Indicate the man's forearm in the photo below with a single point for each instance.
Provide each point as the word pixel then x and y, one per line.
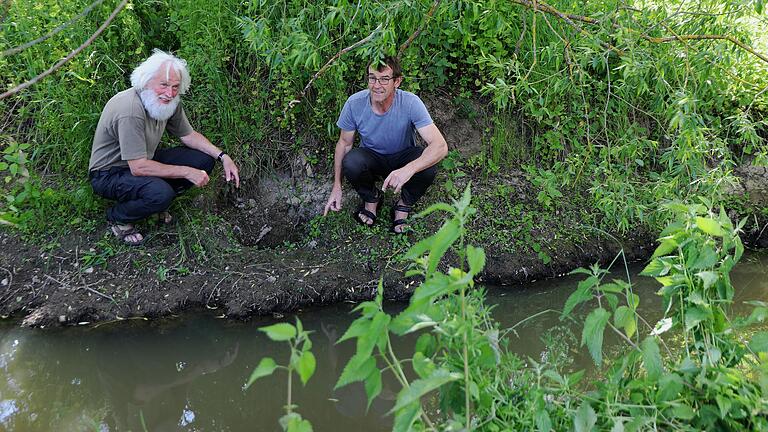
pixel 198 141
pixel 338 158
pixel 432 154
pixel 150 168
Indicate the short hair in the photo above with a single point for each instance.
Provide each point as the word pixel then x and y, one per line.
pixel 391 61
pixel 149 68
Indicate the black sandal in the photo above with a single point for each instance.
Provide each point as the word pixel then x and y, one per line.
pixel 397 222
pixel 361 210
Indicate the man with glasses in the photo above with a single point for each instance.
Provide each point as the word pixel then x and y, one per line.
pixel 385 118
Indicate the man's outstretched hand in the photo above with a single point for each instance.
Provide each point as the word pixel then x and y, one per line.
pixel 334 201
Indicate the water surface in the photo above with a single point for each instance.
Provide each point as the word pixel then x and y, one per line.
pixel 187 373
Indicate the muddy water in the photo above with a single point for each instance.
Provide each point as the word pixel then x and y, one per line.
pixel 187 373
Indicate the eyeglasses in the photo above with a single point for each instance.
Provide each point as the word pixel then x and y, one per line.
pixel 383 80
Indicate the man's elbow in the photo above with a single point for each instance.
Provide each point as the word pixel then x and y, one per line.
pixel 443 149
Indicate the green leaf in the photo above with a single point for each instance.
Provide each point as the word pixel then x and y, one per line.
pixel 422 365
pixel 358 328
pixel 373 386
pixel 280 332
pixel 592 335
pixel 669 388
pixel 306 366
pixel 441 241
pixel 376 332
pixel 759 342
pixel 583 293
pixel 707 257
pixel 709 226
pixel 652 358
pixel 405 417
pixel 624 317
pixel 683 412
pixel 695 315
pixel 543 422
pixel 585 418
pixel 655 268
pixel 265 368
pixel 666 247
pixel 357 369
pixel 294 423
pixel 708 278
pixel 420 387
pixel 476 259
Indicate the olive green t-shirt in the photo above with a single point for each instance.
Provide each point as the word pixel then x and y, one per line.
pixel 126 132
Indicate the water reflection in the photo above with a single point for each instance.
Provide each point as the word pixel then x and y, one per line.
pixel 187 374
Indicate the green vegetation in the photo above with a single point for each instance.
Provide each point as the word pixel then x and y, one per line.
pixel 693 370
pixel 632 103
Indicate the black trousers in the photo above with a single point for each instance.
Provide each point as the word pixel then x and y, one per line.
pixel 363 167
pixel 141 196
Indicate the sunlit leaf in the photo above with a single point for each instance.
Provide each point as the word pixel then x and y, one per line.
pixel 280 332
pixel 265 368
pixel 306 366
pixel 357 369
pixel 421 387
pixel 709 226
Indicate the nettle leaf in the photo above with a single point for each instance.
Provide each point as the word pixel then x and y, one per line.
pixel 583 293
pixel 476 259
pixel 420 387
pixel 585 418
pixel 358 328
pixel 265 368
pixel 442 240
pixel 592 335
pixel 667 246
pixel 652 358
pixel 422 365
pixel 624 317
pixel 656 267
pixel 708 278
pixel 759 342
pixel 376 331
pixel 695 315
pixel 280 332
pixel 709 226
pixel 373 386
pixel 357 369
pixel 405 417
pixel 306 366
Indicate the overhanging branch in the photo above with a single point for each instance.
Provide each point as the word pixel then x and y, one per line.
pixel 69 57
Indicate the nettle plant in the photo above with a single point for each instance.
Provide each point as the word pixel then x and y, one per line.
pixel 709 379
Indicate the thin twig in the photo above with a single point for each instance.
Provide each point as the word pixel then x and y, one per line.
pixel 328 64
pixel 53 32
pixel 69 57
pixel 416 34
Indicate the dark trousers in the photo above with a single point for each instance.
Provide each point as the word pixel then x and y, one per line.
pixel 362 167
pixel 141 196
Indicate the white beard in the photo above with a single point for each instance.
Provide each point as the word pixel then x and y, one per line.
pixel 156 109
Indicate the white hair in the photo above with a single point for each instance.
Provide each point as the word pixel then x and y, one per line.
pixel 151 66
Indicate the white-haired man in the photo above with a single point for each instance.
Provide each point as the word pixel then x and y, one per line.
pixel 126 165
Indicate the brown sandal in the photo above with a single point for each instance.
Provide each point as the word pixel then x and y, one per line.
pixel 127 233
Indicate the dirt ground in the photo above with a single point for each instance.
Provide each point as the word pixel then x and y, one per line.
pixel 267 252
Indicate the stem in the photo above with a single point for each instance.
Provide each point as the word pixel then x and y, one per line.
pixel 394 364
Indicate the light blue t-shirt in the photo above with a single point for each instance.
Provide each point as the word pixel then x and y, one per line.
pixel 390 132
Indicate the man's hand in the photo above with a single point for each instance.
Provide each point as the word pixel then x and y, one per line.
pixel 230 170
pixel 198 177
pixel 334 201
pixel 396 179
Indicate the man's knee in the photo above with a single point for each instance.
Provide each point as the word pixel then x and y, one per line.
pixel 428 175
pixel 158 195
pixel 353 164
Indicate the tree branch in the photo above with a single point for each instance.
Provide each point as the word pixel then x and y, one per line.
pixel 416 34
pixel 53 32
pixel 69 57
pixel 328 64
pixel 571 20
